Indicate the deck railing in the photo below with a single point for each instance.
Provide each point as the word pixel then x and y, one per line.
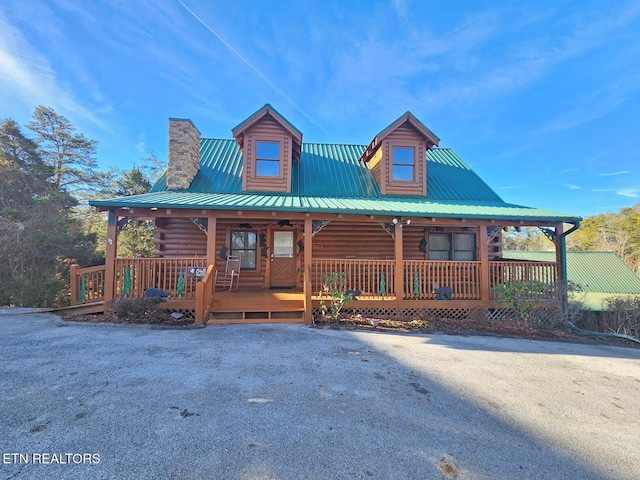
pixel 373 278
pixel 423 277
pixel 134 275
pixel 205 292
pixel 502 272
pixel 87 284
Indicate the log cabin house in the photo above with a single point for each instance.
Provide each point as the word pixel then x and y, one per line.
pixel 403 219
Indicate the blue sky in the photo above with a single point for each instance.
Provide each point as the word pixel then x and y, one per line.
pixel 541 98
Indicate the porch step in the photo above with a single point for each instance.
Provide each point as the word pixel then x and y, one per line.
pixel 256 306
pixel 287 316
pixel 261 306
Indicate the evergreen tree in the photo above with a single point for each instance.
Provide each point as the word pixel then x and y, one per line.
pixel 39 238
pixel 71 154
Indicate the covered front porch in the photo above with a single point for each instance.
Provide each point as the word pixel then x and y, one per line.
pixel 387 263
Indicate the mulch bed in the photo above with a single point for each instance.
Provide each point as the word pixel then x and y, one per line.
pixel 441 325
pixel 470 327
pixel 109 317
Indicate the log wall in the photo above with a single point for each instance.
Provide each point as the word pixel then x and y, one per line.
pixel 179 237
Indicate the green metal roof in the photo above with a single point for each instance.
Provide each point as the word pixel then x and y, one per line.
pixel 330 178
pixel 599 274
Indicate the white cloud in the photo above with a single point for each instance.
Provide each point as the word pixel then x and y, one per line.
pixel 629 192
pixel 572 186
pixel 28 77
pixel 511 187
pixel 622 172
pixel 141 145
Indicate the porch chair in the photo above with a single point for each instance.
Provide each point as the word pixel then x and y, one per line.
pixel 231 271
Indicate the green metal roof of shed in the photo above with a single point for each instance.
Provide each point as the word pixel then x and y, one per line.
pixel 330 178
pixel 601 275
pixel 594 271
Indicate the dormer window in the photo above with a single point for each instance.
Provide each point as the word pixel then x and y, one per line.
pixel 397 157
pixel 403 164
pixel 267 159
pixel 270 145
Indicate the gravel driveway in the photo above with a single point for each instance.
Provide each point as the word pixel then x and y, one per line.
pixel 289 402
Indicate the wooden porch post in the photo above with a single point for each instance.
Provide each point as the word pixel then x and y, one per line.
pixel 74 283
pixel 110 259
pixel 399 259
pixel 308 259
pixel 483 252
pixel 212 228
pixel 561 261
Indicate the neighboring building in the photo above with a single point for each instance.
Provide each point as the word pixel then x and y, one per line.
pixel 399 217
pixel 600 275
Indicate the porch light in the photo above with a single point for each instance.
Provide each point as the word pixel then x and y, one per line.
pixel 406 222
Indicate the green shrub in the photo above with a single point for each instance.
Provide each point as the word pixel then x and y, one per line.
pixel 334 287
pixel 524 298
pixel 139 310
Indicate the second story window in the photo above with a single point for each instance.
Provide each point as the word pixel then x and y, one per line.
pixel 403 164
pixel 267 159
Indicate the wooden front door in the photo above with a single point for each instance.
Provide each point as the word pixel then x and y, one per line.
pixel 283 260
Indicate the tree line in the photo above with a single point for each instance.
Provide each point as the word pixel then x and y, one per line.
pixel 618 232
pixel 47 174
pixel 50 171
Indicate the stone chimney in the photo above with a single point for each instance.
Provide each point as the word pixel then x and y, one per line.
pixel 184 153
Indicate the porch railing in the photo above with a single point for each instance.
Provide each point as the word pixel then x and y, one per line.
pixel 133 276
pixel 87 284
pixel 205 292
pixel 423 277
pixel 373 278
pixel 501 272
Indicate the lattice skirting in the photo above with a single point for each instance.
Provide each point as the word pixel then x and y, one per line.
pixel 544 316
pixel 186 312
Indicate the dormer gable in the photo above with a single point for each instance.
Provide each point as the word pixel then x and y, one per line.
pixel 397 156
pixel 269 144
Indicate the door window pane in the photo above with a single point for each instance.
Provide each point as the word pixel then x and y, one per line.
pixel 283 244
